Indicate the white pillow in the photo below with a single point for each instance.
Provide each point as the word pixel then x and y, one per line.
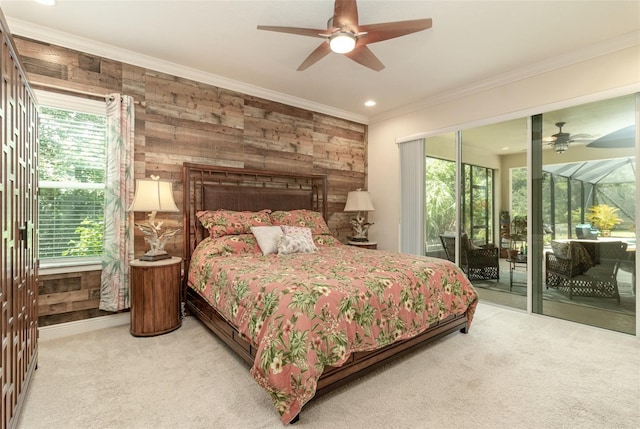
pixel 267 237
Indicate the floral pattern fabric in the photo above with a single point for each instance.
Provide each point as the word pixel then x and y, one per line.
pixel 228 222
pixel 118 195
pixel 240 244
pixel 308 311
pixel 302 218
pixel 289 244
pixel 297 239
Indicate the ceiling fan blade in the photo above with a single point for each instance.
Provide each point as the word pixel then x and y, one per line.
pixel 624 137
pixel 319 53
pixel 294 30
pixel 582 136
pixel 345 12
pixel 390 30
pixel 364 56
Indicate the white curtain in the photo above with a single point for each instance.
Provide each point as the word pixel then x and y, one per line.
pixel 412 173
pixel 118 194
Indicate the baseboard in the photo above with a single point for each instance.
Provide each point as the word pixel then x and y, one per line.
pixel 82 326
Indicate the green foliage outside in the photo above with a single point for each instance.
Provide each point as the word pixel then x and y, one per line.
pixel 568 202
pixel 519 202
pixel 71 172
pixel 440 198
pixel 90 234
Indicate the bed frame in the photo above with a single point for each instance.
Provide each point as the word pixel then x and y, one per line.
pixel 208 187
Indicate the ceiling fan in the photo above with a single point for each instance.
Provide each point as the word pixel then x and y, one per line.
pixel 560 140
pixel 344 35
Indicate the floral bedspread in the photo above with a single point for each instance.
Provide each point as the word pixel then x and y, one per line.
pixel 307 311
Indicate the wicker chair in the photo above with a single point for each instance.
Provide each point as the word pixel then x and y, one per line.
pixel 478 263
pixel 572 275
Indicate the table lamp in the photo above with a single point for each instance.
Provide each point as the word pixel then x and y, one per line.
pixel 359 201
pixel 154 195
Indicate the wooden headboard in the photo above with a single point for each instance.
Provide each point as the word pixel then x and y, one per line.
pixel 208 187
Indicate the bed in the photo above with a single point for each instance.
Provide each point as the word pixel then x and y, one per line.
pixel 305 311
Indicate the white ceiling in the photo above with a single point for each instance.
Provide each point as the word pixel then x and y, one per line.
pixel 471 44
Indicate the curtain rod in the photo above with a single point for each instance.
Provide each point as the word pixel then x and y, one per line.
pixel 79 92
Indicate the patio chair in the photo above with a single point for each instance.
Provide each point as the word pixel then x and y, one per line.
pixel 478 263
pixel 573 274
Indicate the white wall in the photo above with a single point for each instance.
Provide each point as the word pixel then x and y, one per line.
pixel 603 77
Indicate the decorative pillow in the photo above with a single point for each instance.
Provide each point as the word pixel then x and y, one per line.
pixel 303 218
pixel 580 258
pixel 302 234
pixel 228 222
pixel 561 249
pixel 268 237
pixel 325 240
pixel 235 244
pixel 289 244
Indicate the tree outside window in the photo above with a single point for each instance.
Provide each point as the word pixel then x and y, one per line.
pixel 71 171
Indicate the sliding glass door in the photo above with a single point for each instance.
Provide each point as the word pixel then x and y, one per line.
pixel 588 202
pixel 555 196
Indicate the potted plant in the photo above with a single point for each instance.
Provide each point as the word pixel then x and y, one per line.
pixel 604 218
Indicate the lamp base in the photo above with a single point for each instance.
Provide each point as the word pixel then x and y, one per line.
pixel 153 258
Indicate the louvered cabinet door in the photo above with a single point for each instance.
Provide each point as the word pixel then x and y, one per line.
pixel 18 257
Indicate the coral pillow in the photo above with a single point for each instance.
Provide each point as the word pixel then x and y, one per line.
pixel 235 245
pixel 325 240
pixel 302 218
pixel 228 222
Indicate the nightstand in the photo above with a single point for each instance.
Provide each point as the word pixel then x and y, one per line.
pixel 373 245
pixel 155 297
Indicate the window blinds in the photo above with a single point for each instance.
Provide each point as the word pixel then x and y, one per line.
pixel 412 173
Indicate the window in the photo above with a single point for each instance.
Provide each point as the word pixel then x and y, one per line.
pixel 440 201
pixel 71 168
pixel 477 204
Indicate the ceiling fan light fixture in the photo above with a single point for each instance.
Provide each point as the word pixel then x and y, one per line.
pixel 342 42
pixel 561 147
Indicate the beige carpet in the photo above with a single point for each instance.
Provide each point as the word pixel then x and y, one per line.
pixel 512 370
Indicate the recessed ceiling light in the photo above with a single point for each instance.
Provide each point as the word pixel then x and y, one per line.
pixel 369 103
pixel 47 2
pixel 505 148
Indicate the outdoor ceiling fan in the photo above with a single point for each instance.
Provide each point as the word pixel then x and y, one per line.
pixel 560 140
pixel 344 35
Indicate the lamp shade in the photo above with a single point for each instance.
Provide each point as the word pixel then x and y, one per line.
pixel 153 195
pixel 358 201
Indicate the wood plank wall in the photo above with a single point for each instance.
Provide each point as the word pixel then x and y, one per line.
pixel 182 120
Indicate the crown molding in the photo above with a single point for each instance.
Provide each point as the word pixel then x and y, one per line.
pixel 48 35
pixel 45 34
pixel 609 46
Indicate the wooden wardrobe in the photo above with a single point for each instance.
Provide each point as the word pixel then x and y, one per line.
pixel 18 251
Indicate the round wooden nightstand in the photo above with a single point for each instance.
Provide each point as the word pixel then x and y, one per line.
pixel 373 245
pixel 155 297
